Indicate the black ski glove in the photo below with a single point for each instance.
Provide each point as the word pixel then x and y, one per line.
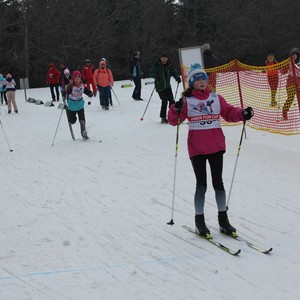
pixel 178 80
pixel 178 105
pixel 248 113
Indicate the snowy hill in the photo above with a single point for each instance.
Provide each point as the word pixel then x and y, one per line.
pixel 87 220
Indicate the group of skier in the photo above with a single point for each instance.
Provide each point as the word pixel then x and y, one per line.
pixel 74 86
pixel 199 103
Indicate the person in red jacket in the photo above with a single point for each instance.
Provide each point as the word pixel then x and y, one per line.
pixel 273 78
pixel 206 142
pixel 88 75
pixel 52 79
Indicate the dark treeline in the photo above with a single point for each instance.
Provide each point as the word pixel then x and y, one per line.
pixel 37 32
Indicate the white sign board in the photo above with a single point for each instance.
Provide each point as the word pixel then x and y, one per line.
pixel 188 56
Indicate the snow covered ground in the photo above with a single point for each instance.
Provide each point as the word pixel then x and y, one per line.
pixel 87 220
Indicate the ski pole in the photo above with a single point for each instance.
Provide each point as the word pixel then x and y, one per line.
pixel 6 137
pixel 115 95
pixel 62 110
pixel 142 118
pixel 175 169
pixel 236 161
pixel 176 91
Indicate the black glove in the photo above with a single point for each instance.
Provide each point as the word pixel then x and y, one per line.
pixel 131 77
pixel 178 79
pixel 90 94
pixel 248 113
pixel 178 105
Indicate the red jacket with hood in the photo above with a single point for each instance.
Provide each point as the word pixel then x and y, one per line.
pixel 53 75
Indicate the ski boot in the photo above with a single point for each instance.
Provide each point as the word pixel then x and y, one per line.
pixel 224 225
pixel 164 120
pixel 83 130
pixel 201 228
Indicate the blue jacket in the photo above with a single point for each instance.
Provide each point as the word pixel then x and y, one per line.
pixel 2 79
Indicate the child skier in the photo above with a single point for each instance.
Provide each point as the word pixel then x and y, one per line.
pixel 75 89
pixel 64 82
pixel 203 108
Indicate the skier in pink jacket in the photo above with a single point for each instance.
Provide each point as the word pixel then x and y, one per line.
pixel 206 141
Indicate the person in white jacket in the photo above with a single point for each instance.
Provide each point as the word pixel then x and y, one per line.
pixel 10 86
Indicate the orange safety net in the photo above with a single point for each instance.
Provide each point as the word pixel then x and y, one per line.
pixel 269 90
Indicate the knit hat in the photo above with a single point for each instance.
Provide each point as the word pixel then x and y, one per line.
pixel 87 61
pixel 76 74
pixel 102 62
pixel 66 71
pixel 164 55
pixel 103 59
pixel 196 72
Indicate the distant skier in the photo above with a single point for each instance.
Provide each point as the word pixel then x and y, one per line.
pixel 104 80
pixel 206 141
pixel 65 81
pixel 136 75
pixel 273 78
pixel 210 61
pixel 88 75
pixel 53 78
pixel 2 90
pixel 162 71
pixel 10 85
pixel 290 83
pixel 75 90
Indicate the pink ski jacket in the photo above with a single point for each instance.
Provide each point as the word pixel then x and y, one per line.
pixel 205 140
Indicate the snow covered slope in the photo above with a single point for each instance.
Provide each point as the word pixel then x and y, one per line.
pixel 87 220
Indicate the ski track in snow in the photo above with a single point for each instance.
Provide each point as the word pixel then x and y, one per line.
pixel 88 220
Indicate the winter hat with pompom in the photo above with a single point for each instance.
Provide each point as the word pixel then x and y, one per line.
pixel 66 71
pixel 76 74
pixel 196 72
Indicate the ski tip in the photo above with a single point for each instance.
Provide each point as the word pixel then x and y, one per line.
pixel 238 252
pixel 207 236
pixel 234 234
pixel 171 222
pixel 268 251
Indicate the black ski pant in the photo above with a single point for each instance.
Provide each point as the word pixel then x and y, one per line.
pixel 165 96
pixel 72 115
pixel 138 87
pixel 3 97
pixel 215 161
pixel 52 87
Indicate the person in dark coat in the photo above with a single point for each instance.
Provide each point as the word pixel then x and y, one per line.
pixel 210 61
pixel 136 75
pixel 162 71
